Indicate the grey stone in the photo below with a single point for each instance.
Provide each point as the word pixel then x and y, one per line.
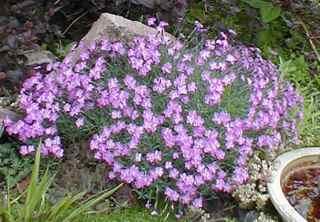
pixel 115 28
pixel 15 75
pixel 3 20
pixel 13 22
pixel 5 113
pixel 251 216
pixel 37 57
pixel 12 41
pixel 4 101
pixel 4 48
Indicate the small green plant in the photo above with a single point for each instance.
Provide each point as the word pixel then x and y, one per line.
pixel 230 220
pixel 297 71
pixel 128 215
pixel 268 11
pixel 13 167
pixel 59 49
pixel 32 205
pixel 1 130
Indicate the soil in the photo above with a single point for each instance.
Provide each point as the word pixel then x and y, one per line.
pixel 41 24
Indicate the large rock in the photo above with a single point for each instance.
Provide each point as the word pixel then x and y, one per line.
pixel 115 28
pixel 5 113
pixel 38 57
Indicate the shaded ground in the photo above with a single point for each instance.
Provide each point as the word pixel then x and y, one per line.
pixel 40 24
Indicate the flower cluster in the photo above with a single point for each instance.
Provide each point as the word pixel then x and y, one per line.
pixel 168 111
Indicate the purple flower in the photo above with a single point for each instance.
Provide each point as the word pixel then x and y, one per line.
pixel 161 84
pixel 167 68
pixel 152 21
pixel 154 157
pixel 80 122
pixel 240 175
pixel 25 150
pixel 174 173
pixel 199 27
pixel 221 118
pixel 164 111
pixel 197 203
pixel 171 194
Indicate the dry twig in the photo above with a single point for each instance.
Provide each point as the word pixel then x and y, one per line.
pixel 313 46
pixel 73 22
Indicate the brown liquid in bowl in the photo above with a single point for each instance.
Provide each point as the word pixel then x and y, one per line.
pixel 302 189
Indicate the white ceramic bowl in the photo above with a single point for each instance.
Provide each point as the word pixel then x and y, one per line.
pixel 295 159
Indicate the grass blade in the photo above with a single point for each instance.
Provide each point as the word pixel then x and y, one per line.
pixel 31 191
pixel 58 211
pixel 89 203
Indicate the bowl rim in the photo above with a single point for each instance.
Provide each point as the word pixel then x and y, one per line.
pixel 277 196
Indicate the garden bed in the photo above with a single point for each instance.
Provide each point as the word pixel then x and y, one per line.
pixel 288 36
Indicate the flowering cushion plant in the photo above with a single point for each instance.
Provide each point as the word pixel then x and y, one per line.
pixel 184 119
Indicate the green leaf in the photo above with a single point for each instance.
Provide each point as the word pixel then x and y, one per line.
pixel 196 12
pixel 60 209
pixel 36 190
pixel 5 209
pixel 32 193
pixel 258 4
pixel 1 129
pixel 270 13
pixel 90 202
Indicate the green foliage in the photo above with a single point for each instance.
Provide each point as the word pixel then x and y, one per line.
pixel 275 38
pixel 59 49
pixel 268 11
pixel 1 130
pixel 127 215
pixel 256 22
pixel 95 120
pixel 32 205
pixel 297 71
pixel 13 167
pixel 230 220
pixel 236 99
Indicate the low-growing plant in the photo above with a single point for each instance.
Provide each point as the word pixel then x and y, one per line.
pixel 171 116
pixel 297 71
pixel 13 167
pixel 35 206
pixel 268 11
pixel 128 215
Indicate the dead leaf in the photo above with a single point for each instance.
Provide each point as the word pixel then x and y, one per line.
pixel 23 184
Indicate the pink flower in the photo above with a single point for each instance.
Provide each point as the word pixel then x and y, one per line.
pixel 163 114
pixel 171 194
pixel 197 203
pixel 154 157
pixel 25 150
pixel 152 21
pixel 80 122
pixel 174 173
pixel 167 68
